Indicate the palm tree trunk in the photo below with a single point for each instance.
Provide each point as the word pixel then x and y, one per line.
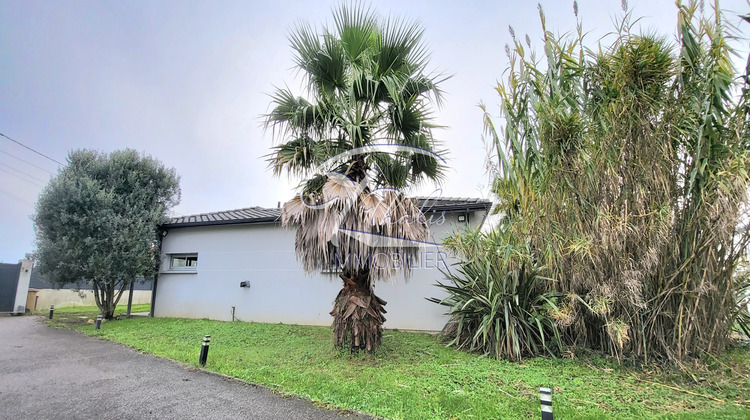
pixel 357 314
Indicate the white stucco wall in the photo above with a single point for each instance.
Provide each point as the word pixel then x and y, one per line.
pixel 23 285
pixel 280 291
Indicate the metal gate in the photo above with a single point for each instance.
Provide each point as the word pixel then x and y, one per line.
pixel 9 274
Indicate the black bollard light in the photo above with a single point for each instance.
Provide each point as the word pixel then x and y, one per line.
pixel 545 397
pixel 99 322
pixel 204 350
pixel 51 311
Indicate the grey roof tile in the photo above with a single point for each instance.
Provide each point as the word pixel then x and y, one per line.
pixel 271 215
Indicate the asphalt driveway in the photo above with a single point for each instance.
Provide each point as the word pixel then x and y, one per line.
pixel 48 373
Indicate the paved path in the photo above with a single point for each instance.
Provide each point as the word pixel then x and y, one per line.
pixel 48 373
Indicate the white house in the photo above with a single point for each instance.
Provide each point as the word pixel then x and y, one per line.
pixel 241 264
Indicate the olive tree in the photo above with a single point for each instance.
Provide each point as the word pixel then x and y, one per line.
pixel 98 220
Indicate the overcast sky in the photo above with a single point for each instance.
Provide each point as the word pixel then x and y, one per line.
pixel 187 82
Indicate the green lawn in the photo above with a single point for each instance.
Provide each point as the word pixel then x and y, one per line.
pixel 414 377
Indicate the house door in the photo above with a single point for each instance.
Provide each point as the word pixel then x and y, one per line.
pixel 8 284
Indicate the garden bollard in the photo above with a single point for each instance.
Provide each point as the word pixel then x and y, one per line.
pixel 99 321
pixel 545 397
pixel 51 310
pixel 204 350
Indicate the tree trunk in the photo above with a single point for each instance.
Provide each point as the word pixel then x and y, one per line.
pixel 109 307
pixel 98 296
pixel 106 299
pixel 357 314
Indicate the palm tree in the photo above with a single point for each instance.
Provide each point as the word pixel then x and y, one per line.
pixel 367 90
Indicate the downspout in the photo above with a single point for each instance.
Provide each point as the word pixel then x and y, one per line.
pixel 162 234
pixel 130 297
pixel 486 214
pixel 153 293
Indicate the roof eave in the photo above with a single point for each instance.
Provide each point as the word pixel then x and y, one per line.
pixel 255 221
pixel 486 205
pixel 458 207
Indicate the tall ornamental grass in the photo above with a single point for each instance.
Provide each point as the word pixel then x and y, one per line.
pixel 623 176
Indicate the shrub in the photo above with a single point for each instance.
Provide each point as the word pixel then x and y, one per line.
pixel 498 303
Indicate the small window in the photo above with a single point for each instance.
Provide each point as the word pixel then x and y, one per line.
pixel 183 262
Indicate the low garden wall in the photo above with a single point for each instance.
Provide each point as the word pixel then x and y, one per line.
pixel 61 298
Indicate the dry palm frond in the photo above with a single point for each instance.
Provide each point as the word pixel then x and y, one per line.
pixel 380 233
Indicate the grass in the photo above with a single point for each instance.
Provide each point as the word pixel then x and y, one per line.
pixel 413 376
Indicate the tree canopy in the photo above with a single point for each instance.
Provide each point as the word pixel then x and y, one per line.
pixel 367 83
pixel 98 220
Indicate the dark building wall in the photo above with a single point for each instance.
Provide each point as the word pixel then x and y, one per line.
pixel 8 285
